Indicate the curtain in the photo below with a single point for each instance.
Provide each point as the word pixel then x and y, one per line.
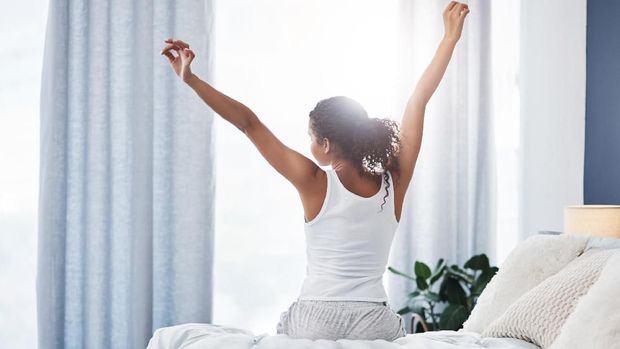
pixel 449 209
pixel 126 175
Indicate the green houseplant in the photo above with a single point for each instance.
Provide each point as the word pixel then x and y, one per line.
pixel 445 296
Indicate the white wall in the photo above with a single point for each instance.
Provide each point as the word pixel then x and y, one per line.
pixel 552 87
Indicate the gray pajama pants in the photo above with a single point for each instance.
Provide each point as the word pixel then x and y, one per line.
pixel 313 319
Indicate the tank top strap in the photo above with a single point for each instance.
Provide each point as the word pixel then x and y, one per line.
pixel 337 186
pixel 334 184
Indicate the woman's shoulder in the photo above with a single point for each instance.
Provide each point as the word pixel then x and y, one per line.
pixel 319 180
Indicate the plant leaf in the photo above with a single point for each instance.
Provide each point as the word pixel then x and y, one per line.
pixel 414 294
pixel 405 310
pixel 421 283
pixel 452 291
pixel 437 275
pixel 432 297
pixel 453 317
pixel 422 270
pixel 440 264
pixel 477 262
pixel 397 272
pixel 482 280
pixel 460 274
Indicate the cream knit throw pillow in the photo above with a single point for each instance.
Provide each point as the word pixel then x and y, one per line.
pixel 529 264
pixel 595 322
pixel 539 315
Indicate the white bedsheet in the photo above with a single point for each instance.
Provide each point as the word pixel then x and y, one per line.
pixel 207 336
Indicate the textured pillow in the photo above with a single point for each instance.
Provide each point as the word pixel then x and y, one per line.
pixel 538 315
pixel 531 262
pixel 595 322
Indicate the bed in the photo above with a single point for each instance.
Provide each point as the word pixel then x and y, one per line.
pixel 202 336
pixel 517 309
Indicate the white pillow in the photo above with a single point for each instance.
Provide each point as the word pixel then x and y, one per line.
pixel 603 242
pixel 595 322
pixel 531 262
pixel 539 315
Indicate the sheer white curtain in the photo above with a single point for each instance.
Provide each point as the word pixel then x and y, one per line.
pixel 280 57
pixel 126 178
pixel 449 209
pixel 373 51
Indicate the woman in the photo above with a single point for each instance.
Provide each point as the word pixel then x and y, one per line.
pixel 351 210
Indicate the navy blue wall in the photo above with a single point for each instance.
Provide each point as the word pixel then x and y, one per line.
pixel 602 143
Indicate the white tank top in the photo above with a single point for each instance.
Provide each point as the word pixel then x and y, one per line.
pixel 348 243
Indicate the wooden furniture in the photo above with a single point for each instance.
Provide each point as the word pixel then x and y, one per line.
pixel 594 220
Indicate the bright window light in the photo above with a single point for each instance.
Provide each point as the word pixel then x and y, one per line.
pixel 280 58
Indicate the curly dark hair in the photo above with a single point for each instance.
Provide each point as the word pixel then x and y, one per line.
pixel 371 144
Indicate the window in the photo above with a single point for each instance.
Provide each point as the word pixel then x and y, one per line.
pixel 506 110
pixel 21 57
pixel 280 58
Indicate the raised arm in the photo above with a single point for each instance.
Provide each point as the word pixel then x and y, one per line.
pixel 295 167
pixel 413 118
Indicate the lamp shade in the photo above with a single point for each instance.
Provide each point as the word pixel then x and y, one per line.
pixel 596 220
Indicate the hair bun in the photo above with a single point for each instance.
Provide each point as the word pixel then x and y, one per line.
pixel 370 143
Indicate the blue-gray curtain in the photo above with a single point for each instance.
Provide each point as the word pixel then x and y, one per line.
pixel 126 177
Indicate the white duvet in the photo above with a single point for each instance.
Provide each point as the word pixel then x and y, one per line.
pixel 206 336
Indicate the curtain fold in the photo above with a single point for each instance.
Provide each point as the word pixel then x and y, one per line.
pixel 126 175
pixel 449 209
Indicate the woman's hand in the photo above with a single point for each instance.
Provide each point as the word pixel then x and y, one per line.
pixel 453 18
pixel 183 59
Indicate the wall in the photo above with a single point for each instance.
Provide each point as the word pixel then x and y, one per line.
pixel 552 88
pixel 602 144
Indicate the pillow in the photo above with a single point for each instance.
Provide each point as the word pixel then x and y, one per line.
pixel 597 314
pixel 602 242
pixel 538 315
pixel 531 262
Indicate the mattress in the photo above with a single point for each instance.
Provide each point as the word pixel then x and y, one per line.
pixel 203 336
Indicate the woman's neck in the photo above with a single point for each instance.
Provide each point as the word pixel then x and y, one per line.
pixel 348 171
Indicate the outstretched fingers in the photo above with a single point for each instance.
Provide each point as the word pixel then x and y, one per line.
pixel 169 47
pixel 451 5
pixel 460 8
pixel 459 11
pixel 464 13
pixel 455 8
pixel 180 47
pixel 187 55
pixel 169 55
pixel 180 43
